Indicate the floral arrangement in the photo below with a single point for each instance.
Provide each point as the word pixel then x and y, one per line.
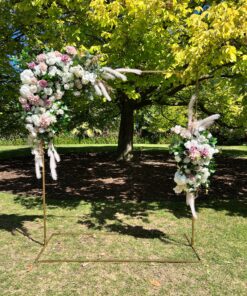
pixel 193 149
pixel 51 75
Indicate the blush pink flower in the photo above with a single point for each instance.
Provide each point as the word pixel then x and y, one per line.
pixel 31 65
pixel 71 50
pixel 45 121
pixel 22 101
pixel 41 58
pixel 48 102
pixel 43 83
pixel 65 58
pixel 194 153
pixel 34 100
pixel 205 152
pixel 57 53
pixel 43 67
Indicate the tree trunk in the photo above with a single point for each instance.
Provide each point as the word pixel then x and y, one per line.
pixel 126 130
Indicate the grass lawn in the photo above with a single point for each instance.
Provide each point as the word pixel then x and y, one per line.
pixel 139 230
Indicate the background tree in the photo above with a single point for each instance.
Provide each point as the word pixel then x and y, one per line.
pixel 186 40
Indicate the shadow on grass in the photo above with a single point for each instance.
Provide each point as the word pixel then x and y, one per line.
pixel 131 189
pixel 15 223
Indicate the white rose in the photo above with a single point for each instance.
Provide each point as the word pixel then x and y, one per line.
pixel 51 58
pixel 78 71
pixel 67 77
pixel 176 129
pixel 179 189
pixel 59 94
pixel 180 179
pixel 33 89
pixel 29 119
pixel 52 71
pixel 36 120
pixel 48 91
pixel 27 76
pixel 66 86
pixel 37 70
pixel 25 91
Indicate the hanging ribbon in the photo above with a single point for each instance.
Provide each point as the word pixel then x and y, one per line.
pixel 54 158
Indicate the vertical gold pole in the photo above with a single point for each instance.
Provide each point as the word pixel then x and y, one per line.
pixel 193 232
pixel 44 191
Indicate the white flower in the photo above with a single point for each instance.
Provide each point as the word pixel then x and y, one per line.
pixel 189 144
pixel 67 77
pixel 76 93
pixel 176 129
pixel 51 58
pixel 59 94
pixel 37 70
pixel 31 129
pixel 33 88
pixel 36 120
pixel 205 174
pixel 88 77
pixel 25 91
pixel 29 119
pixel 185 133
pixel 78 84
pixel 180 179
pixel 66 86
pixel 179 189
pixel 78 71
pixel 60 112
pixel 177 158
pixel 48 91
pixel 27 76
pixel 53 71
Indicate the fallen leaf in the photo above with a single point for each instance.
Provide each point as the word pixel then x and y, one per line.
pixel 155 283
pixel 29 267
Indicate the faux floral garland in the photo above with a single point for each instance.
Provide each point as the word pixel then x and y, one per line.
pixel 48 78
pixel 193 149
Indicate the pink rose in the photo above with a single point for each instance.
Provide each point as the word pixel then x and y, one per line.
pixel 204 152
pixel 22 101
pixel 65 58
pixel 31 65
pixel 57 53
pixel 71 50
pixel 48 102
pixel 43 67
pixel 43 83
pixel 34 100
pixel 45 121
pixel 41 58
pixel 194 153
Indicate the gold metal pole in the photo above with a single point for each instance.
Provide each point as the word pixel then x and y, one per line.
pixel 193 232
pixel 44 191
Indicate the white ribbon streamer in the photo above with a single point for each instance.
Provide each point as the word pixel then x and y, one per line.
pixel 54 156
pixel 190 201
pixel 38 161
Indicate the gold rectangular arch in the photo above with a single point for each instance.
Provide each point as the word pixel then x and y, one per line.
pixel 191 241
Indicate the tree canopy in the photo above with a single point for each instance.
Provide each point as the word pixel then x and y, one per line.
pixel 185 40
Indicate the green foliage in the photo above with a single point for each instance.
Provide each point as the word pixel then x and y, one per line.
pixel 180 38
